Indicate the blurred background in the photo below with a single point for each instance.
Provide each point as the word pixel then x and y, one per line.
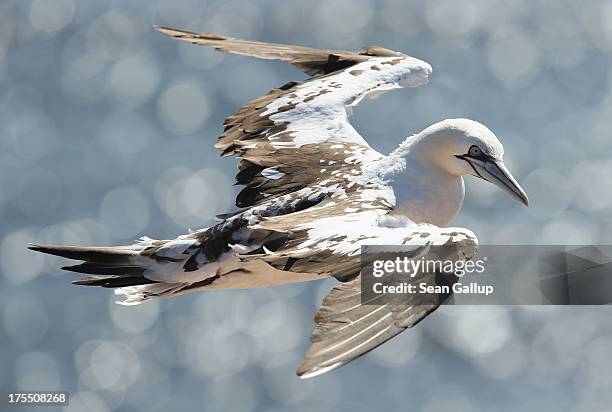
pixel 106 134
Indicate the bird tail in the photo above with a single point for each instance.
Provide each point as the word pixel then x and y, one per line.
pixel 121 268
pixel 111 267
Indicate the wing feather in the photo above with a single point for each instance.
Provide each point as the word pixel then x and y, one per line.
pixel 299 133
pixel 347 327
pixel 308 59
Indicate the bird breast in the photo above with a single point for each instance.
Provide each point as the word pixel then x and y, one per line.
pixel 426 199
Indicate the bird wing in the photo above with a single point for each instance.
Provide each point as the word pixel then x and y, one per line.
pixel 299 134
pixel 305 172
pixel 348 325
pixel 310 60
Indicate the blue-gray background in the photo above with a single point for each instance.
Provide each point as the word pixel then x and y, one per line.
pixel 106 134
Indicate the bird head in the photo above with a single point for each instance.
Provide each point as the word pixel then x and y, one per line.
pixel 465 147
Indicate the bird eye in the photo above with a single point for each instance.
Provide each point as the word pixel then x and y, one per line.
pixel 475 151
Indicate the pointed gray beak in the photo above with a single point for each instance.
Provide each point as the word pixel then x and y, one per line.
pixel 495 172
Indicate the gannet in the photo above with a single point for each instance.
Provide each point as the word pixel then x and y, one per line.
pixel 314 193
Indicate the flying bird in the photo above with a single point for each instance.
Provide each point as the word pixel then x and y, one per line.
pixel 314 193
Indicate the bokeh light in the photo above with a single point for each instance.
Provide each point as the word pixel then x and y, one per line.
pixel 107 134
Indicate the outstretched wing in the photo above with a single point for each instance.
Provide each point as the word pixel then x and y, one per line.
pixel 348 326
pixel 299 135
pixel 308 59
pixel 346 329
pixel 305 171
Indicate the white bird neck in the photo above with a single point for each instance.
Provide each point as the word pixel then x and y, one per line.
pixel 424 192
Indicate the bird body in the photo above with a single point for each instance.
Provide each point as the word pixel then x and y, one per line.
pixel 314 193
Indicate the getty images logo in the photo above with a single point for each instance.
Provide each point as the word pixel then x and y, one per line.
pixel 406 266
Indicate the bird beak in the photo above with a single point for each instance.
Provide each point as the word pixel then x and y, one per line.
pixel 496 172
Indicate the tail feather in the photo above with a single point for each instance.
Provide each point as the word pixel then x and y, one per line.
pixel 140 272
pixel 113 281
pixel 111 266
pixel 113 255
pixel 105 269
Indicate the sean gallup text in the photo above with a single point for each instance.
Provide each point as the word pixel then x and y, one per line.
pixel 425 288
